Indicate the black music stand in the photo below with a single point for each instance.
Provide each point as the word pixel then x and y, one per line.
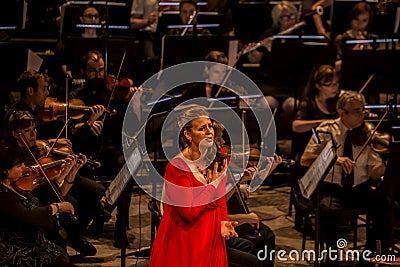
pixel 309 184
pixel 391 186
pixel 114 18
pixel 77 47
pixel 288 78
pixel 180 49
pixel 359 65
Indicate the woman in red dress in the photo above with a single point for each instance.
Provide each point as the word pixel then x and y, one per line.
pixel 195 223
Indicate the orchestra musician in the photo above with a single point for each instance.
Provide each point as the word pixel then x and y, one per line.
pixel 277 94
pixel 361 16
pixel 195 222
pixel 108 149
pixel 346 187
pixel 25 223
pixel 82 192
pixel 249 226
pixel 318 105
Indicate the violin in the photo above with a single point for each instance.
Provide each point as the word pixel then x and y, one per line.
pixel 32 177
pixel 361 135
pixel 124 89
pixel 45 149
pixel 53 109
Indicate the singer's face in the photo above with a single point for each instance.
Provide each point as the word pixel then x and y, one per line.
pixel 360 23
pixel 186 11
pixel 201 128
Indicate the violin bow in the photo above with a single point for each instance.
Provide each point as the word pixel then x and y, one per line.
pixel 58 136
pixel 115 82
pixel 371 135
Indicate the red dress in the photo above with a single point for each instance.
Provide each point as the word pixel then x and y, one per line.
pixel 190 236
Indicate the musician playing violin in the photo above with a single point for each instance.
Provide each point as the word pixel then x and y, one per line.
pixel 108 149
pixel 24 222
pixel 346 186
pixel 238 249
pixel 82 192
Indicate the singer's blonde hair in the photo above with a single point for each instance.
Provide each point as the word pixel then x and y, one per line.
pixel 279 8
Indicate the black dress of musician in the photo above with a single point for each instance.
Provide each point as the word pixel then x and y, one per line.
pixel 24 224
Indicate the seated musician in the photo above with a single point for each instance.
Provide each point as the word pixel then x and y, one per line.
pixel 82 192
pixel 346 187
pixel 24 223
pixel 109 148
pixel 249 226
pixel 361 16
pixel 214 76
pixel 278 93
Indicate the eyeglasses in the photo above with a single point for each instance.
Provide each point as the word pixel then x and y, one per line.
pixel 95 71
pixel 329 84
pixel 91 16
pixel 288 17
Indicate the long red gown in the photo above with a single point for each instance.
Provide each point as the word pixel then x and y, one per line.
pixel 190 236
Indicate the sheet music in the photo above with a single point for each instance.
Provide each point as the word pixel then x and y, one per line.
pixel 121 180
pixel 318 170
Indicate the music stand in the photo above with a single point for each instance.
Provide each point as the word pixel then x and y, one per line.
pixel 312 179
pixel 359 65
pixel 290 76
pixel 180 49
pixel 114 18
pixel 12 15
pixel 77 47
pixel 391 185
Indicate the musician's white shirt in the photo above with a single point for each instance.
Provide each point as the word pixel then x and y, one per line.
pixel 338 130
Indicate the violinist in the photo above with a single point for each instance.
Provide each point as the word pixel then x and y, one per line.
pixel 346 186
pixel 82 192
pixel 24 222
pixel 34 88
pixel 108 149
pixel 248 222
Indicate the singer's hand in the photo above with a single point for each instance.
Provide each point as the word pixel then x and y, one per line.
pixel 228 229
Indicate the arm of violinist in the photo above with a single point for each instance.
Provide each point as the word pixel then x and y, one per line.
pixel 302 126
pixel 61 142
pixel 275 162
pixel 307 159
pixel 250 218
pixel 95 112
pixel 16 211
pixel 65 173
pixel 70 177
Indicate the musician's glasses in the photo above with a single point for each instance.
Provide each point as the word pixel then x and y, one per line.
pixel 288 17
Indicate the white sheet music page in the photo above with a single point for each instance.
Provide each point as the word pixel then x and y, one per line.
pixel 317 171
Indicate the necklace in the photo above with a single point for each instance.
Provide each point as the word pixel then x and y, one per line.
pixel 198 168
